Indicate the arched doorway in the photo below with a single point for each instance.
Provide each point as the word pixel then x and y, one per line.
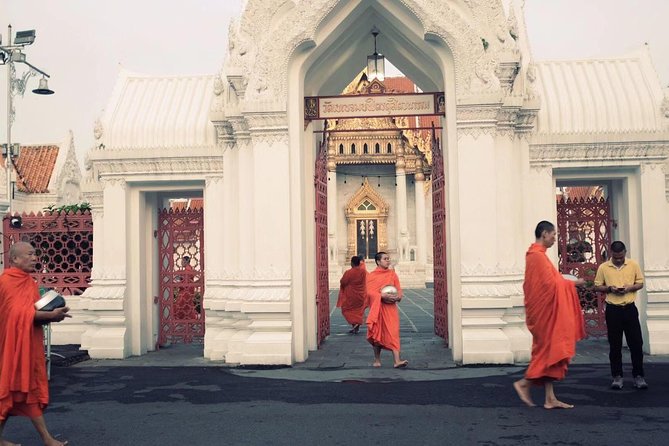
pixel 325 70
pixel 367 222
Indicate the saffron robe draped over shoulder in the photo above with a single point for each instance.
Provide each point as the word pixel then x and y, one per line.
pixel 553 315
pixel 24 389
pixel 383 320
pixel 352 295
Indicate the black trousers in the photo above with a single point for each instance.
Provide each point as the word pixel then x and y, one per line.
pixel 619 320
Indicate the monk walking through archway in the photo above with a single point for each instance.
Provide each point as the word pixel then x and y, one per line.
pixel 554 317
pixel 383 321
pixel 352 294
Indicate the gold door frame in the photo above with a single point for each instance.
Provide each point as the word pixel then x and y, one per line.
pixel 380 213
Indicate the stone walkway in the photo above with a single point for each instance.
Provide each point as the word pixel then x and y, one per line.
pixel 420 346
pixel 347 357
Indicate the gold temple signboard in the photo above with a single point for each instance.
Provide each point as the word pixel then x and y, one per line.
pixel 373 106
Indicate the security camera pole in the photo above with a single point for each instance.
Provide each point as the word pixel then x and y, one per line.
pixel 9 55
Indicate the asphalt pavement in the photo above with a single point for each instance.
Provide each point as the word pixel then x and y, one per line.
pixel 175 397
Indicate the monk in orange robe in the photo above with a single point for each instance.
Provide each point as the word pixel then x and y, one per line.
pixel 24 388
pixel 184 307
pixel 554 317
pixel 352 294
pixel 383 321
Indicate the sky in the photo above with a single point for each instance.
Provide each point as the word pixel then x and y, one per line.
pixel 82 43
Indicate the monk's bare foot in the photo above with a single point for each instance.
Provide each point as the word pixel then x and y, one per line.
pixel 53 442
pixel 557 404
pixel 401 364
pixel 523 390
pixel 376 364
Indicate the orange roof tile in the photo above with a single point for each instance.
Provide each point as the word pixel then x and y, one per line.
pixel 196 203
pixel 399 85
pixel 34 168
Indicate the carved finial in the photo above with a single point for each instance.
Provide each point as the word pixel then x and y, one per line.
pixel 665 107
pixel 98 130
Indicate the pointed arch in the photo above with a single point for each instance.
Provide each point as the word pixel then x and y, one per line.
pixel 366 203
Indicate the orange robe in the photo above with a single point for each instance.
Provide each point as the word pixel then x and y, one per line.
pixel 553 316
pixel 352 295
pixel 24 389
pixel 184 304
pixel 383 321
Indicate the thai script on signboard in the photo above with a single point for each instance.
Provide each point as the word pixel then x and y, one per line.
pixel 373 106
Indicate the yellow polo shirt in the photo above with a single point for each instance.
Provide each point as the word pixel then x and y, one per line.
pixel 610 275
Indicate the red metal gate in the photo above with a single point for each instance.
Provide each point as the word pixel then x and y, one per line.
pixel 584 237
pixel 63 243
pixel 181 260
pixel 321 217
pixel 439 239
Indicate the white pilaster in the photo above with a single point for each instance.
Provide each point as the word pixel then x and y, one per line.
pixel 106 336
pixel 332 217
pixel 421 236
pixel 218 217
pixel 654 310
pixel 401 208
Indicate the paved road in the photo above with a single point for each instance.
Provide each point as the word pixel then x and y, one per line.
pixel 211 406
pixel 175 397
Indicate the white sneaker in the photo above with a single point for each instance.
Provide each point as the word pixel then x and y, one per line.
pixel 640 383
pixel 617 383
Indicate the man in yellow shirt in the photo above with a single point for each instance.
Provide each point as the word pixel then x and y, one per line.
pixel 620 278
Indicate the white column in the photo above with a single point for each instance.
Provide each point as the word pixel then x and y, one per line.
pixel 107 335
pixel 421 236
pixel 654 308
pixel 332 217
pixel 216 229
pixel 246 216
pixel 401 211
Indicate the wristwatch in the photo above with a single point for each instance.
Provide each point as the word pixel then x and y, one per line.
pixel 610 291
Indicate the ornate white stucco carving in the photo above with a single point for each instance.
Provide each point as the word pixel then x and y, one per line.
pixel 128 162
pixel 652 151
pixel 665 107
pixel 69 172
pixel 261 57
pixel 508 119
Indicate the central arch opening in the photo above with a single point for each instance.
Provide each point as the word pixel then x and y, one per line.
pixel 327 67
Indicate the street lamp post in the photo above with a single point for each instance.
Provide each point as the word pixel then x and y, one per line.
pixel 11 54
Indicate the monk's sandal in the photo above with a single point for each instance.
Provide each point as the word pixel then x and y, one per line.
pixel 617 383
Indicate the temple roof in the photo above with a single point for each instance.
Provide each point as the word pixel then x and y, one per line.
pixel 159 111
pixel 616 95
pixel 34 168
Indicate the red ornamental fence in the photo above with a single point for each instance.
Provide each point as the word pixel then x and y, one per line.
pixel 584 236
pixel 63 244
pixel 321 219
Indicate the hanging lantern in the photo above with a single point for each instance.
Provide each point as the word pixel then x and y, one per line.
pixel 376 63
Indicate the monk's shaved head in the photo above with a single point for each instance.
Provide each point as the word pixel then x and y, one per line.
pixel 22 256
pixel 18 248
pixel 543 226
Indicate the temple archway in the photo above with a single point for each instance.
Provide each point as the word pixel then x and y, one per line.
pixel 325 66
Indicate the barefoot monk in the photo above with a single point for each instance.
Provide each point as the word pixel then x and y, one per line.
pixel 553 316
pixel 24 389
pixel 352 296
pixel 383 321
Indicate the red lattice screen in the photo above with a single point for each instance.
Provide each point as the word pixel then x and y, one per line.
pixel 584 237
pixel 63 244
pixel 439 239
pixel 181 260
pixel 321 217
